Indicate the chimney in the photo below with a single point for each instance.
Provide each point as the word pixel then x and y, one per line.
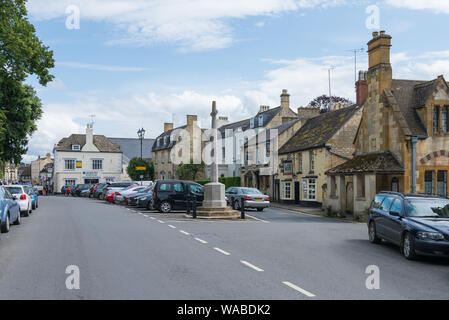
pixel 306 113
pixel 191 120
pixel 90 134
pixel 264 108
pixel 379 62
pixel 361 88
pixel 168 126
pixel 285 99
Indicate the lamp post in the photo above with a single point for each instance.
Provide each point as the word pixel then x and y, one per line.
pixel 141 134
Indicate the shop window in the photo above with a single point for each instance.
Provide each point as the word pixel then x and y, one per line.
pixel 428 182
pixel 287 190
pixel 309 189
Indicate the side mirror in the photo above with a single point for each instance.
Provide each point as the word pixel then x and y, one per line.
pixel 395 214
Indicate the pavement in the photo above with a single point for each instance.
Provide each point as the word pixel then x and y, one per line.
pixel 125 253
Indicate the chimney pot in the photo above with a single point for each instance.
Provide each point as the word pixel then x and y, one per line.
pixel 168 126
pixel 375 34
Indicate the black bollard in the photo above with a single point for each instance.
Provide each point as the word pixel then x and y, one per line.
pixel 194 207
pixel 188 204
pixel 242 208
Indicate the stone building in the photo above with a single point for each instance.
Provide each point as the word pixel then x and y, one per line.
pixel 402 143
pixel 24 174
pixel 87 158
pixel 37 166
pixel 323 141
pixel 166 146
pixel 282 118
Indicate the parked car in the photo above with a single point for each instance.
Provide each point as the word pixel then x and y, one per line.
pixel 252 197
pixel 122 196
pixel 9 210
pixel 145 201
pixel 98 191
pixel 34 194
pixel 115 186
pixel 132 198
pixel 418 224
pixel 85 193
pixel 79 188
pixel 171 195
pixel 92 189
pixel 64 189
pixel 40 189
pixel 23 198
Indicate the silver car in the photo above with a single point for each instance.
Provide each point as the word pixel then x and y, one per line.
pixel 252 198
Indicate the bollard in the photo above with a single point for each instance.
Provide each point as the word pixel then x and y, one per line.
pixel 242 208
pixel 188 204
pixel 194 207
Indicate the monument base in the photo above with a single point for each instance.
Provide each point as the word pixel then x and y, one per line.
pixel 217 213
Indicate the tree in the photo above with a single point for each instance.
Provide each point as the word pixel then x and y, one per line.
pixel 190 170
pixel 324 102
pixel 134 174
pixel 21 54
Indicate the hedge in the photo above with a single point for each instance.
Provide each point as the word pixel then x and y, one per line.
pixel 228 181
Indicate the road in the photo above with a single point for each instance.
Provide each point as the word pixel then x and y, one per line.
pixel 132 254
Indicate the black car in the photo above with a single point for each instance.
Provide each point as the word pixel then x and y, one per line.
pixel 80 188
pixel 418 224
pixel 171 195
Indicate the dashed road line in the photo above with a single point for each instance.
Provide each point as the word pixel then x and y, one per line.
pixel 186 233
pixel 251 266
pixel 222 251
pixel 160 221
pixel 153 218
pixel 173 227
pixel 258 219
pixel 201 240
pixel 145 215
pixel 299 289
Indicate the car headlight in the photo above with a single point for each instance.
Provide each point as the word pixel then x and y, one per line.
pixel 430 235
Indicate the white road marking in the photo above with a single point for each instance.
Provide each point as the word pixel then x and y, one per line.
pixel 182 231
pixel 200 240
pixel 258 219
pixel 140 213
pixel 173 227
pixel 145 215
pixel 153 218
pixel 160 221
pixel 251 266
pixel 222 251
pixel 295 287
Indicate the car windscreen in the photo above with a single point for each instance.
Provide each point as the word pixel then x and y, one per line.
pixel 14 190
pixel 427 208
pixel 250 191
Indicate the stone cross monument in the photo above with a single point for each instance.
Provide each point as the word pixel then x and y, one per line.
pixel 214 167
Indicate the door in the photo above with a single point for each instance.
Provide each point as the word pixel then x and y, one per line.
pixel 197 191
pixel 350 197
pixel 277 190
pixel 393 224
pixel 179 199
pixel 297 186
pixel 382 225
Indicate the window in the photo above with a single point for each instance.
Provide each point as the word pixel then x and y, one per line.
pixel 165 186
pixel 442 183
pixel 378 201
pixel 309 189
pixel 69 182
pixel 396 206
pixel 385 206
pixel 223 155
pixel 260 121
pixel 300 162
pixel 312 162
pixel 110 180
pixel 267 149
pixel 444 120
pixel 168 157
pixel 435 119
pixel 156 156
pixel 360 186
pixel 287 190
pixel 69 164
pixel 163 157
pixel 76 147
pixel 196 188
pixel 333 186
pixel 428 182
pixel 97 164
pixel 251 123
pixel 178 187
pixel 395 184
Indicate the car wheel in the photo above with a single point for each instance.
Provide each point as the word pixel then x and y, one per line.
pixel 373 238
pixel 30 209
pixel 236 205
pixel 260 209
pixel 408 246
pixel 5 226
pixel 165 207
pixel 26 213
pixel 150 205
pixel 17 222
pixel 33 206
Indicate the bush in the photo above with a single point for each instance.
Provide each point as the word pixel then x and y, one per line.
pixel 227 181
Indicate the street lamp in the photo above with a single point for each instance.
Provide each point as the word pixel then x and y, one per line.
pixel 141 134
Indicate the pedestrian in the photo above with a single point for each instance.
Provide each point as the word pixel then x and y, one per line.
pixel 67 192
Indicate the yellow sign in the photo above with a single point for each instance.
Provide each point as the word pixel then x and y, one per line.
pixel 79 164
pixel 141 168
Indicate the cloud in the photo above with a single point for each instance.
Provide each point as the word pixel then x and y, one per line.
pixel 192 25
pixel 437 6
pixel 99 67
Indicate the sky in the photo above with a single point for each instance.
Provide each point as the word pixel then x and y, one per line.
pixel 140 63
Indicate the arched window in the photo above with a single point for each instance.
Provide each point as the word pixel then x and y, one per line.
pixel 435 120
pixel 444 121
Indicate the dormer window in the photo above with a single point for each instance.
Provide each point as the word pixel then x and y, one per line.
pixel 260 121
pixel 166 140
pixel 76 147
pixel 251 123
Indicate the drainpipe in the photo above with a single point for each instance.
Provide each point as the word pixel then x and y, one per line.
pixel 414 141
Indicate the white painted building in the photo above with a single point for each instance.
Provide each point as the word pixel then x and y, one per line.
pixel 87 158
